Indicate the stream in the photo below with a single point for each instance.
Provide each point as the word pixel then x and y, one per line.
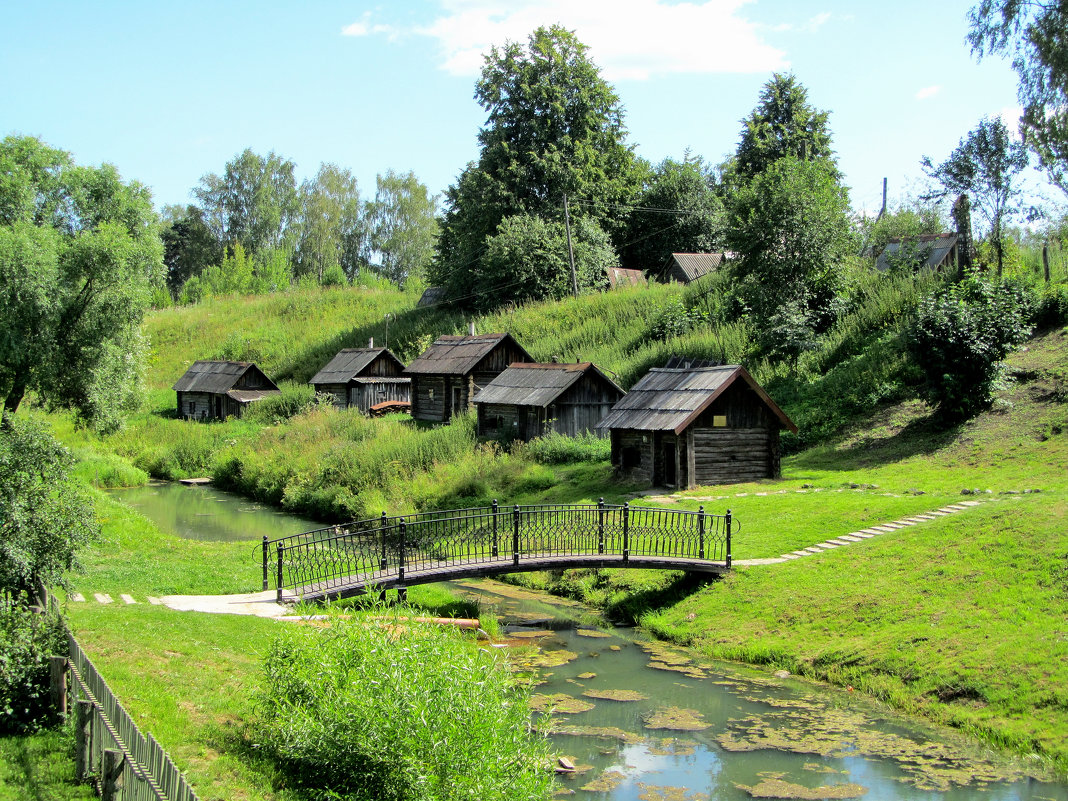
pixel 642 721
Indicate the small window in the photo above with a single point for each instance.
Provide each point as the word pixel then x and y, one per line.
pixel 192 407
pixel 430 393
pixel 632 457
pixel 719 421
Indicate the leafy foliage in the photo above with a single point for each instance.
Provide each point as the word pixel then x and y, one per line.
pixel 443 720
pixel 556 448
pixel 27 640
pixel 333 230
pixel 45 517
pixel 1035 36
pixel 961 335
pixel 404 226
pixel 80 255
pixel 986 165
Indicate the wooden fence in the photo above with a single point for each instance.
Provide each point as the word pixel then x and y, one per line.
pixel 110 751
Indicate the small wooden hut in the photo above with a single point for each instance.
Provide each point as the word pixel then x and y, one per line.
pixel 362 378
pixel 447 375
pixel 685 268
pixel 930 251
pixel 529 400
pixel 215 390
pixel 684 427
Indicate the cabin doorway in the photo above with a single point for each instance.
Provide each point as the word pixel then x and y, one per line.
pixel 218 408
pixel 670 457
pixel 456 396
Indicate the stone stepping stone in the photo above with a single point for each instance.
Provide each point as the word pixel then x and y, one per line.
pixel 862 534
pixel 801 553
pixel 815 549
pixel 155 601
pixel 841 541
pixel 102 597
pixel 76 597
pixel 969 503
pixel 790 556
pixel 827 544
pixel 850 538
pixel 127 599
pixel 883 529
pixel 906 522
pixel 956 507
pixel 894 526
pixel 938 513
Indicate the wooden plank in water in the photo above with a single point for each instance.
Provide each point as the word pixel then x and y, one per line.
pixel 194 481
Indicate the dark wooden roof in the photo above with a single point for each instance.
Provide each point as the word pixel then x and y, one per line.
pixel 349 363
pixel 689 267
pixel 929 250
pixel 216 377
pixel 537 384
pixel 432 296
pixel 669 400
pixel 458 355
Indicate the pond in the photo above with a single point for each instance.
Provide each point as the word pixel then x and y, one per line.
pixel 641 721
pixel 201 512
pixel 644 721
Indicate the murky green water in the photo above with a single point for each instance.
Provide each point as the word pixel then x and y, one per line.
pixel 702 730
pixel 653 723
pixel 204 513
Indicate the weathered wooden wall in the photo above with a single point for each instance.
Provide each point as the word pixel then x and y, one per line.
pixel 338 391
pixel 428 397
pixel 364 396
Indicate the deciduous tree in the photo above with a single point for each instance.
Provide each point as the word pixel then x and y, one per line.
pixel 333 227
pixel 404 225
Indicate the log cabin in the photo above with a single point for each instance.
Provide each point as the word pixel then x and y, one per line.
pixel 215 390
pixel 688 426
pixel 363 377
pixel 529 400
pixel 449 373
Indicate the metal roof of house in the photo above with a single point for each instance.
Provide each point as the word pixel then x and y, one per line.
pixel 931 250
pixel 349 363
pixel 250 395
pixel 620 277
pixel 670 399
pixel 691 266
pixel 458 355
pixel 524 384
pixel 431 296
pixel 216 377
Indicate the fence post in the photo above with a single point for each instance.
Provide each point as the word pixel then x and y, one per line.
pixel 701 532
pixel 600 525
pixel 495 550
pixel 83 739
pixel 279 578
pixel 403 528
pixel 111 778
pixel 382 532
pixel 515 534
pixel 57 669
pixel 626 532
pixel 728 518
pixel 266 569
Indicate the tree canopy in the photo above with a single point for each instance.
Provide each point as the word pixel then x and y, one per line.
pixel 404 225
pixel 554 126
pixel 80 255
pixel 986 166
pixel 1035 36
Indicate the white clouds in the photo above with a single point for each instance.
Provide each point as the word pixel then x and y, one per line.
pixel 363 27
pixel 928 92
pixel 628 39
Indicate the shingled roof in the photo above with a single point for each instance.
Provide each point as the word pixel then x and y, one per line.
pixel 536 384
pixel 457 355
pixel 669 400
pixel 216 377
pixel 349 363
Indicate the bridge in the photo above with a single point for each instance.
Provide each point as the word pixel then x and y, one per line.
pixel 398 552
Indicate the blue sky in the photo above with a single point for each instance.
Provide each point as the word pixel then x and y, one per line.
pixel 170 92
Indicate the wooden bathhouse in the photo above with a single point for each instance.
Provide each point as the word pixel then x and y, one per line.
pixel 362 378
pixel 685 268
pixel 688 426
pixel 215 390
pixel 447 375
pixel 529 400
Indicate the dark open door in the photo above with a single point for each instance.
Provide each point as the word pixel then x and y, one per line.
pixel 670 474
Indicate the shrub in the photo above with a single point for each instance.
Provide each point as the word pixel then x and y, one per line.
pixel 376 710
pixel 960 337
pixel 295 399
pixel 27 639
pixel 556 448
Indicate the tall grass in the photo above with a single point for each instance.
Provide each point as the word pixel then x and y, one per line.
pixel 357 710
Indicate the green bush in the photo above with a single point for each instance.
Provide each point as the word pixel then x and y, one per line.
pixel 1051 306
pixel 27 639
pixel 295 399
pixel 378 709
pixel 554 448
pixel 961 335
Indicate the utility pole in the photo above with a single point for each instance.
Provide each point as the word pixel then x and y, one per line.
pixel 570 250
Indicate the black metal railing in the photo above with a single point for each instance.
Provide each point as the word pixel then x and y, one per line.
pixel 384 549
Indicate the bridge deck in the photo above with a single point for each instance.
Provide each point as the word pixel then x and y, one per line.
pixel 348 586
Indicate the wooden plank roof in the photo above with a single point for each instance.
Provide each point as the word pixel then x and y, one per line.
pixel 670 399
pixel 928 250
pixel 349 363
pixel 217 377
pixel 458 355
pixel 694 265
pixel 533 384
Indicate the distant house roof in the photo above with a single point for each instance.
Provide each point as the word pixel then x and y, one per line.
pixel 687 267
pixel 929 250
pixel 618 277
pixel 217 377
pixel 431 296
pixel 537 384
pixel 457 355
pixel 349 363
pixel 669 400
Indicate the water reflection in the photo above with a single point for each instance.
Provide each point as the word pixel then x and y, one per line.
pixel 739 734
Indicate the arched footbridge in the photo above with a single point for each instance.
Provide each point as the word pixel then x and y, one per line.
pixel 399 552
